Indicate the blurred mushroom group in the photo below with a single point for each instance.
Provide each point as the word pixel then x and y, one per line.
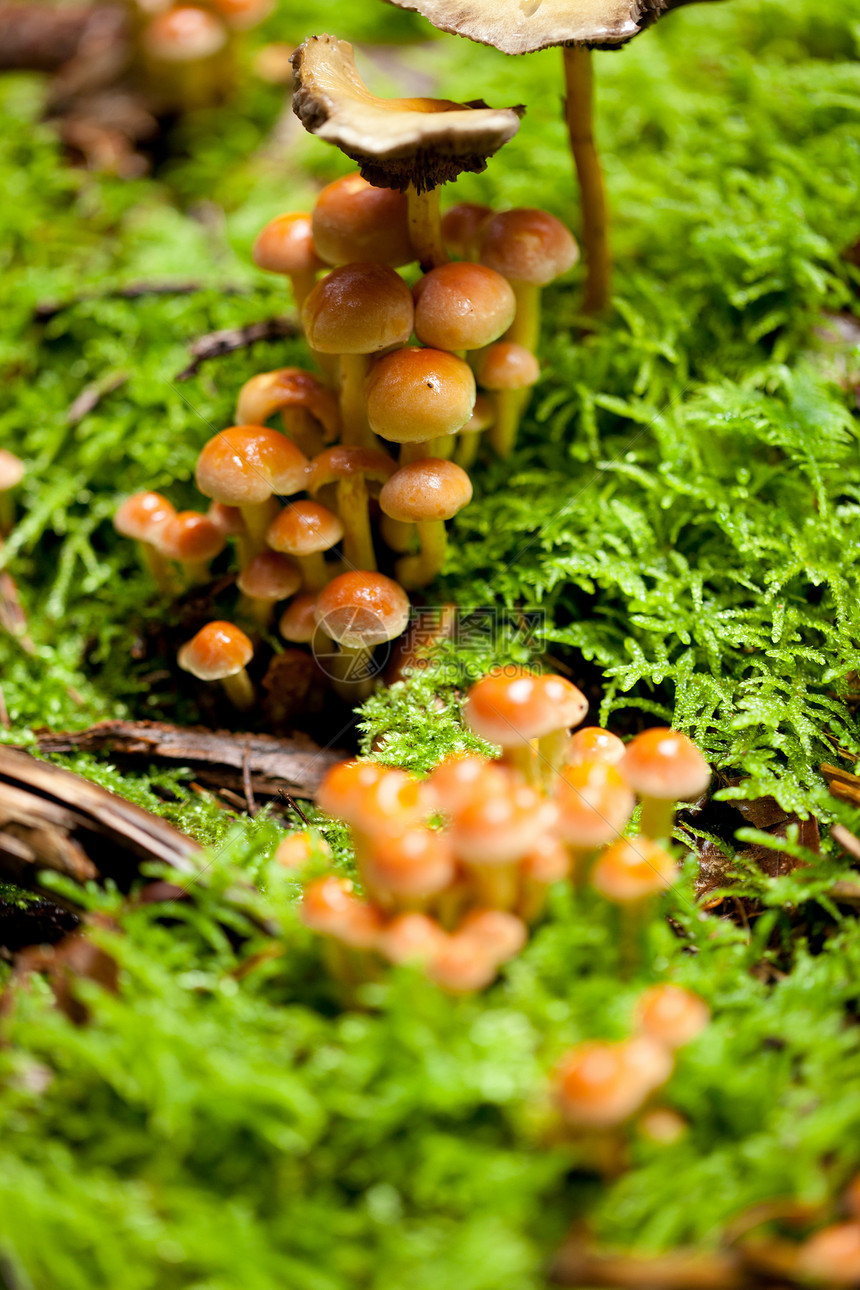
pixel 456 867
pixel 339 513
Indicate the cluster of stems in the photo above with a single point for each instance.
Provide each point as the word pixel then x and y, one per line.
pixel 455 868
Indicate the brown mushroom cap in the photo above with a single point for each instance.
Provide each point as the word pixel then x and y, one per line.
pixel 527 245
pixel 360 609
pixel 284 389
pixel 671 1014
pixel 415 395
pixel 665 764
pixel 508 706
pixel 217 651
pixel 633 869
pixel 411 937
pixel 298 621
pixel 353 220
pixel 286 245
pixel 594 803
pixel 269 576
pixel 461 227
pixel 242 15
pixel 190 537
pixel 411 864
pixel 303 528
pixel 247 464
pixel 462 306
pixel 184 34
pixel 831 1256
pixel 358 309
pixel 396 142
pixel 227 518
pixel 518 28
pixel 507 366
pixel 429 489
pixel 11 470
pixel 142 516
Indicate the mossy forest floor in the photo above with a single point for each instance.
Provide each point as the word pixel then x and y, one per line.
pixel 684 509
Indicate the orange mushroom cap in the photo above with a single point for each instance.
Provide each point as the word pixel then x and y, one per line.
pixel 527 245
pixel 593 743
pixel 600 1084
pixel 296 849
pixel 499 828
pixel 665 764
pixel 269 576
pixel 342 462
pixel 462 306
pixel 547 861
pixel 286 245
pixel 832 1255
pixel 245 465
pixel 411 937
pixel 427 489
pixel 458 779
pixel 303 528
pixel 632 870
pixel 594 803
pixel 501 934
pixel 353 220
pixel 461 228
pixel 414 395
pixel 671 1015
pixel 284 390
pixel 360 609
pixel 507 366
pixel 462 964
pixel 12 472
pixel 217 651
pixel 330 907
pixel 298 621
pixel 242 15
pixel 374 799
pixel 142 516
pixel 416 863
pixel 358 309
pixel 227 518
pixel 184 34
pixel 190 537
pixel 510 705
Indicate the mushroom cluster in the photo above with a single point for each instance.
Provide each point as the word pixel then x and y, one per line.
pixel 371 456
pixel 456 867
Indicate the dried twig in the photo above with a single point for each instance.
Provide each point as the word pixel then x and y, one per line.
pixel 91 396
pixel 49 309
pixel 228 340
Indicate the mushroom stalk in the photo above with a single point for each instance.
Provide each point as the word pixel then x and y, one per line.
pixel 302 283
pixel 258 516
pixel 239 690
pixel 358 552
pixel 525 329
pixel 579 118
pixel 353 410
pixel 419 570
pixel 158 567
pixel 315 573
pixel 466 450
pixel 353 671
pixel 396 534
pixel 425 227
pixel 657 819
pixel 502 434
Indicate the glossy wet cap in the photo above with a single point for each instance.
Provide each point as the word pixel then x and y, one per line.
pixel 286 245
pixel 527 245
pixel 245 465
pixel 461 229
pixel 184 34
pixel 298 622
pixel 593 743
pixel 269 576
pixel 414 395
pixel 358 309
pixel 352 220
pixel 142 516
pixel 360 609
pixel 344 462
pixel 428 489
pixel 507 366
pixel 190 538
pixel 663 763
pixel 409 865
pixel 374 799
pixel 462 306
pixel 304 528
pixel 509 705
pixel 462 778
pixel 219 650
pixel 500 828
pixel 286 389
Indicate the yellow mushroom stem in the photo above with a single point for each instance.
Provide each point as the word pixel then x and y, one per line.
pixel 353 408
pixel 315 572
pixel 158 567
pixel 353 672
pixel 419 570
pixel 657 819
pixel 551 753
pixel 579 117
pixel 352 507
pixel 496 885
pixel 396 534
pixel 508 406
pixel 239 690
pixel 258 517
pixel 425 227
pixel 525 329
pixel 466 449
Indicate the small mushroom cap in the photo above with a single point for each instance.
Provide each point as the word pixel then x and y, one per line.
pixel 548 861
pixel 184 34
pixel 217 651
pixel 665 764
pixel 373 798
pixel 518 28
pixel 831 1256
pixel 509 705
pixel 526 245
pixel 428 489
pixel 671 1015
pixel 247 464
pixel 461 778
pixel 330 907
pixel 227 518
pixel 296 849
pixel 594 804
pixel 298 621
pixel 593 743
pixel 396 142
pixel 353 220
pixel 501 827
pixel 482 416
pixel 342 462
pixel 500 933
pixel 507 366
pixel 303 528
pixel 414 864
pixel 279 391
pixel 358 309
pixel 190 537
pixel 596 1086
pixel 462 964
pixel 286 245
pixel 142 516
pixel 415 395
pixel 411 938
pixel 462 306
pixel 269 576
pixel 662 1126
pixel 360 609
pixel 242 15
pixel 632 870
pixel 11 470
pixel 461 228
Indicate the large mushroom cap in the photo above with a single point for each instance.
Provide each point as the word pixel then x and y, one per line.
pixel 360 610
pixel 396 142
pixel 246 464
pixel 353 220
pixel 521 26
pixel 358 309
pixel 428 489
pixel 414 395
